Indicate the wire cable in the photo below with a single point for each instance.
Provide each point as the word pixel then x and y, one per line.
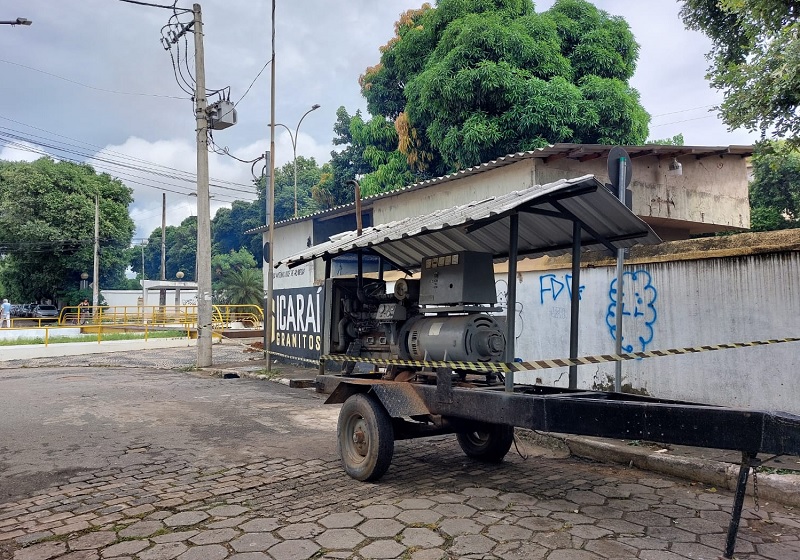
pixel 173 8
pixel 92 87
pixel 147 165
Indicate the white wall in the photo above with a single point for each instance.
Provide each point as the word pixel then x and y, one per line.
pixel 132 297
pixel 674 304
pixel 289 240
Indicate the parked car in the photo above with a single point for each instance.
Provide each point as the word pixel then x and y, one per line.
pixel 26 309
pixel 45 312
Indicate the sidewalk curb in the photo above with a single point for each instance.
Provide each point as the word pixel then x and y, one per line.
pixel 771 487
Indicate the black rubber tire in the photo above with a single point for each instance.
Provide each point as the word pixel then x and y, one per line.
pixel 487 442
pixel 365 437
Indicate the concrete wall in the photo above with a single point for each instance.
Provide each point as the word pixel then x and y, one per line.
pixel 418 202
pixel 711 192
pixel 671 305
pixel 132 298
pixel 291 239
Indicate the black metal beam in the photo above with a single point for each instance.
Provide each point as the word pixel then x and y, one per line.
pixel 575 305
pixel 600 238
pixel 511 296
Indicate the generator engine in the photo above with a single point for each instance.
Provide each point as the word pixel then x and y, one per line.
pixel 445 315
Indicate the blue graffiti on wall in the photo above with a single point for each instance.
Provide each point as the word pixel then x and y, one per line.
pixel 550 284
pixel 638 310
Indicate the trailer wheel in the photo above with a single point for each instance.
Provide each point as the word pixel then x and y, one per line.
pixel 487 442
pixel 366 438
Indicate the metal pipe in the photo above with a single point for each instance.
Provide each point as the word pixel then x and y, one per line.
pixel 511 296
pixel 357 196
pixel 575 302
pixel 620 284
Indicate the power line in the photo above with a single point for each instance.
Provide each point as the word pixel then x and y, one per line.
pixel 71 149
pixel 253 82
pixel 127 177
pixel 121 155
pixel 91 87
pixel 684 111
pixel 683 121
pixel 154 5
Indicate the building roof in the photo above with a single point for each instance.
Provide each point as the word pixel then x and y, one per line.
pixel 553 152
pixel 545 227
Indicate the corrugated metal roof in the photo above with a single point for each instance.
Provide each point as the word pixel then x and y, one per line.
pixel 581 152
pixel 545 227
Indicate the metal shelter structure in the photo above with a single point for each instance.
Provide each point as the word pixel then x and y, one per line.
pixel 565 216
pixel 568 216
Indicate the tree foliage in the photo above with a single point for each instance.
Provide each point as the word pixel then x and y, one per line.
pixel 180 255
pixel 243 287
pixel 346 164
pixel 471 80
pixel 775 190
pixel 755 60
pixel 47 227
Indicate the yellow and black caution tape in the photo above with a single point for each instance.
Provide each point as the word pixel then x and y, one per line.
pixel 295 358
pixel 271 352
pixel 500 367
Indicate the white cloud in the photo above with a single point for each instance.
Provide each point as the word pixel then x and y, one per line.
pixel 27 153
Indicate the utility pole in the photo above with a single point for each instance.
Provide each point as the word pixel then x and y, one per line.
pixel 162 294
pixel 96 268
pixel 269 207
pixel 271 199
pixel 204 309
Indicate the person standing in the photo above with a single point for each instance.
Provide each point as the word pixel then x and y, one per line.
pixel 5 313
pixel 83 311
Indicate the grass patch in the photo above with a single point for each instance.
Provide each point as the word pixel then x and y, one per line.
pixel 106 337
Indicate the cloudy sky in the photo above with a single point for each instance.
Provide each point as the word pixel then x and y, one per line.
pixel 90 80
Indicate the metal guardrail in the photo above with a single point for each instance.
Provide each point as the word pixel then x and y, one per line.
pixel 223 316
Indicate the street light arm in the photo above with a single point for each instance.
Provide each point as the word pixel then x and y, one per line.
pixel 313 108
pixel 18 21
pixel 291 135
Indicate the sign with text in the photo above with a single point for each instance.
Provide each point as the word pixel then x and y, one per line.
pixel 297 328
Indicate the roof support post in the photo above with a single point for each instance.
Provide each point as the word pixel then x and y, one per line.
pixel 575 301
pixel 511 297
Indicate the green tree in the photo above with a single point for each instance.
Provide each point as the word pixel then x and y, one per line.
pixel 755 61
pixel 676 140
pixel 346 164
pixel 47 227
pixel 472 80
pixel 775 190
pixel 223 263
pixel 181 252
pixel 229 224
pixel 308 176
pixel 243 287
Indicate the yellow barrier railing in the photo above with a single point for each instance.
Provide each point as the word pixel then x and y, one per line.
pixel 185 316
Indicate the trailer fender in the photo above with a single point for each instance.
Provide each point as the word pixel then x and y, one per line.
pixel 398 398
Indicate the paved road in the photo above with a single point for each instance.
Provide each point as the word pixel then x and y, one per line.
pixel 101 463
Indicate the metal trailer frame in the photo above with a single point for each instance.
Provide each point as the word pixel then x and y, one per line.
pixel 404 410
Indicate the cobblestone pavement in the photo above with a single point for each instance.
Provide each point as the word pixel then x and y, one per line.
pixel 431 505
pixel 163 502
